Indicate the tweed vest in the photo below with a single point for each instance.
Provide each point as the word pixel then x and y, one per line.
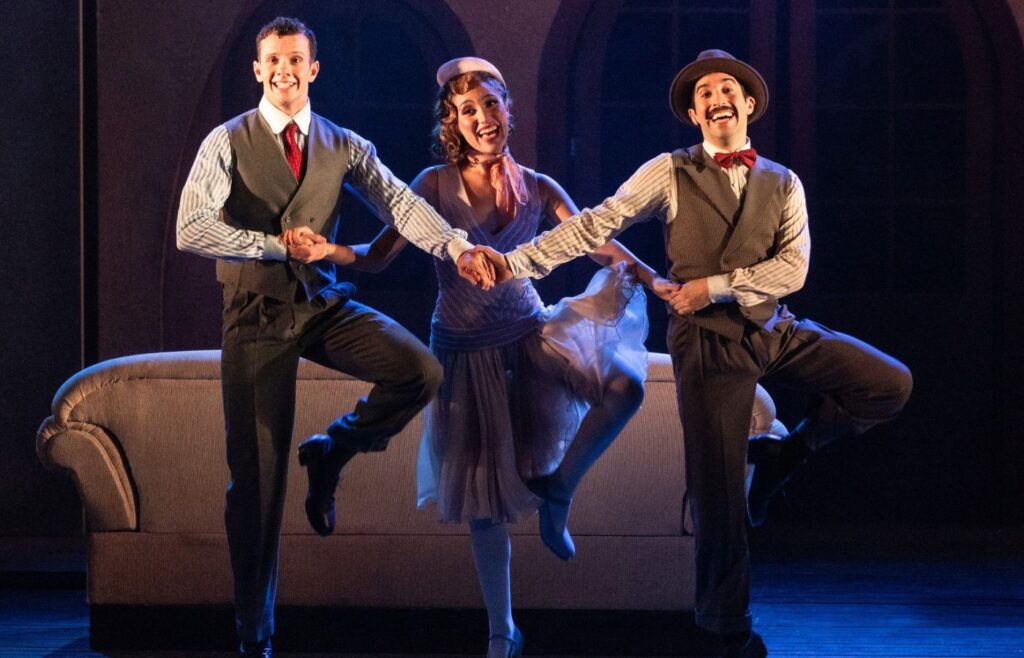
pixel 713 232
pixel 265 197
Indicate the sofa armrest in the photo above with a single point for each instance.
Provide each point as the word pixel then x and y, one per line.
pixel 97 468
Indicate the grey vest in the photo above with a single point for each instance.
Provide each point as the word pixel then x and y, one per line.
pixel 265 197
pixel 713 232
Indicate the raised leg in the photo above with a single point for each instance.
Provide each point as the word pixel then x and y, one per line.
pixel 853 387
pixel 622 395
pixel 364 343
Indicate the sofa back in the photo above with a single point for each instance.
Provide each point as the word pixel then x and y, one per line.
pixel 144 438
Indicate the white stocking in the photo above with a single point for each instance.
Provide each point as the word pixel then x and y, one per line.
pixel 622 396
pixel 492 553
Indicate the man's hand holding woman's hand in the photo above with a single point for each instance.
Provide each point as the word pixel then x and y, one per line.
pixel 492 262
pixel 305 246
pixel 663 289
pixel 481 266
pixel 301 236
pixel 690 297
pixel 476 268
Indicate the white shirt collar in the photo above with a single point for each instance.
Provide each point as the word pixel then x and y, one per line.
pixel 712 149
pixel 278 119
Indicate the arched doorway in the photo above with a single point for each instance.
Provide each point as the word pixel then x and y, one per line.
pixel 871 105
pixel 377 79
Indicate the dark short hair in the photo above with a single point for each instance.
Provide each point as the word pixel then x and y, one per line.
pixel 284 26
pixel 448 143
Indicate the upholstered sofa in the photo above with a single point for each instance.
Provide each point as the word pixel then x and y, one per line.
pixel 142 436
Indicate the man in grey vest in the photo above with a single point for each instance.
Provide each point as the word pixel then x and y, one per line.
pixel 279 170
pixel 737 241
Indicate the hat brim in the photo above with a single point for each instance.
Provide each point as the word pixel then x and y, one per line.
pixel 680 93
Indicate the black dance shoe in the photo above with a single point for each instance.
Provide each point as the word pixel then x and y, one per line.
pixel 775 460
pixel 743 646
pixel 764 447
pixel 323 474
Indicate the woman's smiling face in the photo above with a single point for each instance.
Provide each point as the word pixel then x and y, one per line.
pixel 483 118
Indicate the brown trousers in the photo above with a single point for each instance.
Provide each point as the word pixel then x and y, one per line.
pixel 852 387
pixel 263 339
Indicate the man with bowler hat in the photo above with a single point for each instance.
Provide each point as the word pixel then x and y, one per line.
pixel 737 242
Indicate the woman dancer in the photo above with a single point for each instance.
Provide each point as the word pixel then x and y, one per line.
pixel 530 399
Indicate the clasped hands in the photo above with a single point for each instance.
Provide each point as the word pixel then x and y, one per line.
pixel 481 266
pixel 484 267
pixel 305 246
pixel 685 298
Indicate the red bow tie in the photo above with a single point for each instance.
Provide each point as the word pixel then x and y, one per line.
pixel 746 157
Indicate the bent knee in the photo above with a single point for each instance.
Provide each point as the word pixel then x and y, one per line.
pixel 624 391
pixel 431 374
pixel 902 384
pixel 423 373
pixel 889 390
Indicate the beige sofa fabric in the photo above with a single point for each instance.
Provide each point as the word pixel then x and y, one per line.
pixel 143 438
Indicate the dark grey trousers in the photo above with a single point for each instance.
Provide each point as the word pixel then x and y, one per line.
pixel 263 339
pixel 852 387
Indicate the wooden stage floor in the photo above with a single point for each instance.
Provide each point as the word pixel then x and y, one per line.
pixel 958 603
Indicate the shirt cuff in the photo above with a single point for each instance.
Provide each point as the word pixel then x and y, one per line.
pixel 274 249
pixel 456 247
pixel 520 264
pixel 719 289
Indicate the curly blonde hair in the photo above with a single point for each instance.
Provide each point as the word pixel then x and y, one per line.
pixel 448 145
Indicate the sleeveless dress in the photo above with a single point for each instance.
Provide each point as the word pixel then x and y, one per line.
pixel 518 377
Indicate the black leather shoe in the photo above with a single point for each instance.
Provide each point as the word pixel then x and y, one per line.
pixel 753 647
pixel 256 649
pixel 774 461
pixel 323 473
pixel 764 447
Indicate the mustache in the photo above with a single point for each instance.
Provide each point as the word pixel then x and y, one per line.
pixel 718 108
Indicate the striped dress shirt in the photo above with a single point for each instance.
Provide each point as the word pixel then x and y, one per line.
pixel 651 193
pixel 200 231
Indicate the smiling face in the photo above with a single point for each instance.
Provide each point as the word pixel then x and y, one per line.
pixel 483 118
pixel 286 69
pixel 721 110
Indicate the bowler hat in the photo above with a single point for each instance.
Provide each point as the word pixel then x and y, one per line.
pixel 680 94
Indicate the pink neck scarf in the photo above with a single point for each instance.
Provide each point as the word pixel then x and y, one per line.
pixel 506 179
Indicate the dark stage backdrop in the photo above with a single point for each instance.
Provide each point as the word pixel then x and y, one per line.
pixel 907 203
pixel 39 255
pixel 901 150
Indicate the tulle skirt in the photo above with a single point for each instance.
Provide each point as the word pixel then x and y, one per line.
pixel 508 413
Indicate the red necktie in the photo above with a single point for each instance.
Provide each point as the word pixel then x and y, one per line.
pixel 746 157
pixel 291 150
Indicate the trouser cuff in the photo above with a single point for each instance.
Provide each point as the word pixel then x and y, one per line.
pixel 344 434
